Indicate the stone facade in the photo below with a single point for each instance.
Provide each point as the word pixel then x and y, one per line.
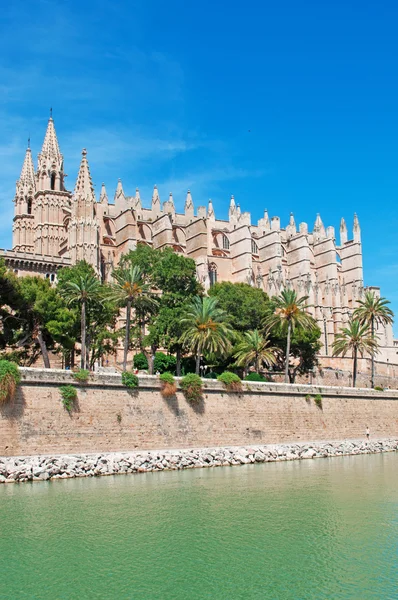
pixel 111 418
pixel 54 227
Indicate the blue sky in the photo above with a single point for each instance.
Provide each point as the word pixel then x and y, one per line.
pixel 290 106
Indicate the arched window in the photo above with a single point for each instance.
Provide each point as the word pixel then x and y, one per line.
pixel 53 181
pixel 29 206
pixel 254 247
pixel 225 242
pixel 212 274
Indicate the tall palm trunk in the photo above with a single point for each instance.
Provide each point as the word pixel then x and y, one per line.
pixel 372 376
pixel 127 335
pixel 43 348
pixel 197 363
pixel 354 367
pixel 178 363
pixel 289 329
pixel 257 363
pixel 83 336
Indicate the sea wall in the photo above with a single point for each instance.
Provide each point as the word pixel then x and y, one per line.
pixel 109 418
pixel 42 468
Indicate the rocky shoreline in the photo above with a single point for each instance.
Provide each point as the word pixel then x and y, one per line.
pixel 18 469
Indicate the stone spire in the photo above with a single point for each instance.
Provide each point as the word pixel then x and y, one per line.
pixel 356 229
pixel 343 232
pixel 137 200
pixel 156 210
pixel 120 199
pixel 84 227
pixel 319 229
pixel 50 168
pixel 232 208
pixel 103 195
pixel 210 211
pixel 189 208
pixel 84 189
pixel 26 183
pixel 291 228
pixel 168 206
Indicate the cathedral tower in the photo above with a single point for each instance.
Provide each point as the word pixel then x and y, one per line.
pixel 51 205
pixel 24 221
pixel 84 227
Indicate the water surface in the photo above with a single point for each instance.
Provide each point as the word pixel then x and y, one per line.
pixel 321 529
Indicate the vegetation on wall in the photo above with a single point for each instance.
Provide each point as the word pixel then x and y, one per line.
pixel 9 379
pixel 68 396
pixel 192 388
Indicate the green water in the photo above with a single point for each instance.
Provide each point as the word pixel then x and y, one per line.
pixel 300 530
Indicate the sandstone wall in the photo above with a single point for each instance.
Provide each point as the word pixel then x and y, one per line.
pixel 110 418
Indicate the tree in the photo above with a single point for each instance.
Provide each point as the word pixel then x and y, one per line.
pixel 356 338
pixel 255 349
pixel 83 291
pixel 38 304
pixel 132 292
pixel 373 311
pixel 206 328
pixel 304 348
pixel 245 306
pixel 290 312
pixel 9 302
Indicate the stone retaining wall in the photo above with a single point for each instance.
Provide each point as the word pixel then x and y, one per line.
pixel 109 418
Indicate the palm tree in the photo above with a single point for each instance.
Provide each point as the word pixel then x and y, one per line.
pixel 255 349
pixel 85 290
pixel 290 312
pixel 206 328
pixel 356 337
pixel 131 291
pixel 373 311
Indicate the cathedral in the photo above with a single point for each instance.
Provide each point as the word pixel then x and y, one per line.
pixel 54 227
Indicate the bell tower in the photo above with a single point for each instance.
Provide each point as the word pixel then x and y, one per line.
pixel 52 202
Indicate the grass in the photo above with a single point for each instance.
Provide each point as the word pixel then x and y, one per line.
pixel 82 375
pixel 232 382
pixel 130 380
pixel 192 388
pixel 68 396
pixel 168 387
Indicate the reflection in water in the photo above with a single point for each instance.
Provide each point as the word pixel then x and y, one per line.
pixel 294 530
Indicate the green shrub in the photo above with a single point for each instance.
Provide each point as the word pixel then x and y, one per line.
pixel 168 387
pixel 129 380
pixel 308 397
pixel 318 400
pixel 164 362
pixel 9 379
pixel 255 377
pixel 140 362
pixel 82 375
pixel 68 396
pixel 232 382
pixel 211 375
pixel 378 388
pixel 192 388
pixel 167 377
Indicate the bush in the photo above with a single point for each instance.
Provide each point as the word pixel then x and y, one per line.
pixel 167 377
pixel 140 362
pixel 255 377
pixel 211 375
pixel 129 380
pixel 164 362
pixel 318 400
pixel 82 375
pixel 378 388
pixel 231 381
pixel 68 396
pixel 9 379
pixel 191 386
pixel 168 387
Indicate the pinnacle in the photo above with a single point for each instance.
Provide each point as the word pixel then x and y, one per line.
pixel 27 177
pixel 84 185
pixel 50 149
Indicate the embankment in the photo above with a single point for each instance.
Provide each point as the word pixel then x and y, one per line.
pixel 109 418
